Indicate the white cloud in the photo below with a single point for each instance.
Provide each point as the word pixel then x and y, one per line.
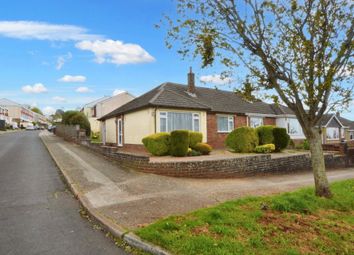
pixel 117 91
pixel 48 110
pixel 116 52
pixel 36 88
pixel 44 31
pixel 59 99
pixel 61 60
pixel 72 78
pixel 215 79
pixel 83 90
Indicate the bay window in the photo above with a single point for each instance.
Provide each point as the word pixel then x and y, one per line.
pixel 170 121
pixel 294 127
pixel 332 133
pixel 256 122
pixel 225 123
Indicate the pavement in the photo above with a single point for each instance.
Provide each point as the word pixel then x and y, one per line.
pixel 38 215
pixel 127 199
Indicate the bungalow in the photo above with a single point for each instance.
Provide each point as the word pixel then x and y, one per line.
pixel 335 128
pixel 172 106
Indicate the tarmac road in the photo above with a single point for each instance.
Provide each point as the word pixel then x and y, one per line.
pixel 37 214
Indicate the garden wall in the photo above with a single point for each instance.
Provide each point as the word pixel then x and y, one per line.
pixel 223 168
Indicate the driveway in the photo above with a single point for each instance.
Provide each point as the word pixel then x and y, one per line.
pixel 37 214
pixel 131 199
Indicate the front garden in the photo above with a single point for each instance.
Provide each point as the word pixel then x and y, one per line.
pixel 243 140
pixel 289 223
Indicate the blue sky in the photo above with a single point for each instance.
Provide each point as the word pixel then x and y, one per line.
pixel 63 54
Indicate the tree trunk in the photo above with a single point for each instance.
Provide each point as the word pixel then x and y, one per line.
pixel 318 165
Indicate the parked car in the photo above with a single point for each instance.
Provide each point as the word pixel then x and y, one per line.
pixel 30 128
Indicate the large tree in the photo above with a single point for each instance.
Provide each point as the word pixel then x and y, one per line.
pixel 300 50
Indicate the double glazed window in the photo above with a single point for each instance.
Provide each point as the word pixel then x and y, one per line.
pixel 225 123
pixel 170 121
pixel 351 135
pixel 332 133
pixel 294 127
pixel 256 122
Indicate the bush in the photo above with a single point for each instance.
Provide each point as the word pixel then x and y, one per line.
pixel 179 143
pixel 193 153
pixel 80 119
pixel 203 148
pixel 265 134
pixel 243 139
pixel 266 148
pixel 306 145
pixel 67 116
pixel 157 144
pixel 194 138
pixel 281 138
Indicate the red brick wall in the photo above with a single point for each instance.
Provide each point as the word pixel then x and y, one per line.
pixel 269 121
pixel 215 139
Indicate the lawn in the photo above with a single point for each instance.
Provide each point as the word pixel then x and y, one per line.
pixel 289 223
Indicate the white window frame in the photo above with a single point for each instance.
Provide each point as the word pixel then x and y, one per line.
pixel 255 117
pixel 351 135
pixel 230 123
pixel 164 115
pixel 120 132
pixel 298 128
pixel 333 139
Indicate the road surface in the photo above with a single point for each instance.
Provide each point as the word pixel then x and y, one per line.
pixel 37 214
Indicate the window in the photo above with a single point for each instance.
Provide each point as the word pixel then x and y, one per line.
pixel 294 127
pixel 332 133
pixel 351 135
pixel 225 123
pixel 256 122
pixel 170 121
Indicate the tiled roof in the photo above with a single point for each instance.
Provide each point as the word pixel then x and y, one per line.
pixel 176 96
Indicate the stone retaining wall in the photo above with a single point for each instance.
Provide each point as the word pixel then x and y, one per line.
pixel 223 168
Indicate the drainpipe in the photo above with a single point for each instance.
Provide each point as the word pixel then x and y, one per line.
pixel 155 120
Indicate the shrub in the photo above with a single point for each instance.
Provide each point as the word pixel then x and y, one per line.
pixel 66 118
pixel 157 144
pixel 265 134
pixel 306 145
pixel 281 138
pixel 265 148
pixel 203 148
pixel 194 138
pixel 193 153
pixel 243 139
pixel 292 144
pixel 179 143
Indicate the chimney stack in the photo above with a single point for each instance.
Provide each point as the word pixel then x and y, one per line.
pixel 191 82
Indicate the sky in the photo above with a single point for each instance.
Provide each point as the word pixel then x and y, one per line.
pixel 64 54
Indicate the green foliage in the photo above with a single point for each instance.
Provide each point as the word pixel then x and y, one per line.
pixel 37 110
pixel 77 118
pixel 203 148
pixel 194 138
pixel 193 153
pixel 179 143
pixel 157 144
pixel 96 137
pixel 247 91
pixel 243 139
pixel 243 227
pixel 306 145
pixel 265 134
pixel 266 148
pixel 281 138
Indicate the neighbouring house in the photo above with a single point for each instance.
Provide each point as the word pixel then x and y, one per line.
pixel 171 106
pixel 21 114
pixel 4 115
pixel 100 107
pixel 335 128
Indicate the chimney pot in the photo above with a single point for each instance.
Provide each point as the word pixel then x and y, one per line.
pixel 191 82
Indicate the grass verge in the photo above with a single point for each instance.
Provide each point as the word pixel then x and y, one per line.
pixel 289 223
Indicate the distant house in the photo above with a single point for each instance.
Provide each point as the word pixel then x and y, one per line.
pixel 336 128
pixel 171 106
pixel 100 107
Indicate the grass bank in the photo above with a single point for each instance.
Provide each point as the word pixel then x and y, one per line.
pixel 289 223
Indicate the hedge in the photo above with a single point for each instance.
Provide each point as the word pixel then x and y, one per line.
pixel 179 143
pixel 79 118
pixel 203 148
pixel 243 139
pixel 281 138
pixel 266 148
pixel 157 144
pixel 265 134
pixel 195 138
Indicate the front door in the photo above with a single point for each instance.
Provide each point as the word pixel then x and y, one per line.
pixel 120 132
